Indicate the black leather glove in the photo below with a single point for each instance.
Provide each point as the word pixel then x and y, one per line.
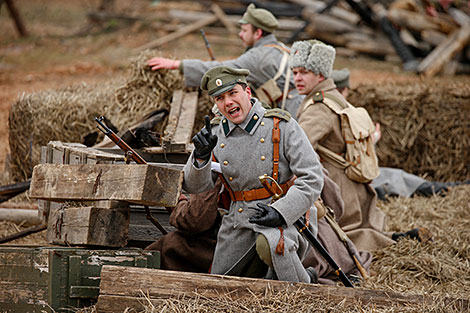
pixel 266 215
pixel 204 141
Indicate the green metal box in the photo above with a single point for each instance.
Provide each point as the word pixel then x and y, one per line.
pixel 48 279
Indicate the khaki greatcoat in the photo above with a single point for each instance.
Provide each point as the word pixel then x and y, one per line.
pixel 245 152
pixel 362 221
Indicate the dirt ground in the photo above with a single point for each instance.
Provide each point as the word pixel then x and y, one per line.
pixel 64 48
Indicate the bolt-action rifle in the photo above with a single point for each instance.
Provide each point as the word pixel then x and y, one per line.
pixel 129 154
pixel 208 46
pixel 301 224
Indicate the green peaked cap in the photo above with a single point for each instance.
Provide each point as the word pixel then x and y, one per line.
pixel 220 79
pixel 260 18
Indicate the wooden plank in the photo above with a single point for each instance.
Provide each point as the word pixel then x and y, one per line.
pixel 445 51
pixel 180 33
pixel 223 18
pixel 89 226
pixel 145 184
pixel 120 287
pixel 173 117
pixel 186 121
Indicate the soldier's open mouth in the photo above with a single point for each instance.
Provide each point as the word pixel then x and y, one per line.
pixel 233 111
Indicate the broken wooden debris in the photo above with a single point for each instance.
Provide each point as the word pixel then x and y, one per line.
pixel 134 183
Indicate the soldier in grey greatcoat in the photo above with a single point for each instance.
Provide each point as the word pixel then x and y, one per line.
pixel 262 57
pixel 242 146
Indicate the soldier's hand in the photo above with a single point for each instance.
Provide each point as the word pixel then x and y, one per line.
pixel 158 63
pixel 266 215
pixel 204 141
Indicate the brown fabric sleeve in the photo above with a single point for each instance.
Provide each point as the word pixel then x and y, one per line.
pixel 197 214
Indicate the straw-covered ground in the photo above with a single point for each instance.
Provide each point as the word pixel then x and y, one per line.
pixel 440 269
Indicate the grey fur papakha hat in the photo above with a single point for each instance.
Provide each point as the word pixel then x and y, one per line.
pixel 314 56
pixel 341 78
pixel 221 79
pixel 260 18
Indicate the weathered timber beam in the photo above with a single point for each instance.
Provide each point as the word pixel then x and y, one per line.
pixel 135 183
pixel 123 287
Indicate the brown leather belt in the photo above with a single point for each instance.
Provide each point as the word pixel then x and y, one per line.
pixel 257 194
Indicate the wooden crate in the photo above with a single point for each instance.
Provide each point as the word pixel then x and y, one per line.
pixel 48 279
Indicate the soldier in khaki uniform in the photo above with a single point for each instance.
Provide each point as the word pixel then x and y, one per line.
pixel 312 63
pixel 248 142
pixel 263 58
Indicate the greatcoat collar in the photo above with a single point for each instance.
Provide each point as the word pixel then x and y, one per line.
pixel 251 122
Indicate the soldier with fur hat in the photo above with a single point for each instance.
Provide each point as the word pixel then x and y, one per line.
pixel 263 56
pixel 257 238
pixel 312 64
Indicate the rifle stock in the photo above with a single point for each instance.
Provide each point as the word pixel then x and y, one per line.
pixel 129 152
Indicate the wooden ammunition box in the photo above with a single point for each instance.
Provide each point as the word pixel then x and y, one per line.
pixel 48 279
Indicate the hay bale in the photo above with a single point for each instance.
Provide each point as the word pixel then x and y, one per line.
pixel 425 126
pixel 67 114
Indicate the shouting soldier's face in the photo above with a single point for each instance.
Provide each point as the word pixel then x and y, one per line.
pixel 235 104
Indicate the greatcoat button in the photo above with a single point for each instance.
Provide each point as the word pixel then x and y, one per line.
pixel 240 210
pixel 263 158
pixel 262 123
pixel 230 178
pixel 225 162
pixel 255 117
pixel 262 140
pixel 222 145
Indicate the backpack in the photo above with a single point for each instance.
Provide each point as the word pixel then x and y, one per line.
pixel 360 160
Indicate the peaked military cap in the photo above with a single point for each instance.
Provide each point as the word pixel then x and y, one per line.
pixel 260 18
pixel 341 78
pixel 220 79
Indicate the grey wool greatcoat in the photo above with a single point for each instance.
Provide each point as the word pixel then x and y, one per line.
pixel 262 61
pixel 362 221
pixel 245 152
